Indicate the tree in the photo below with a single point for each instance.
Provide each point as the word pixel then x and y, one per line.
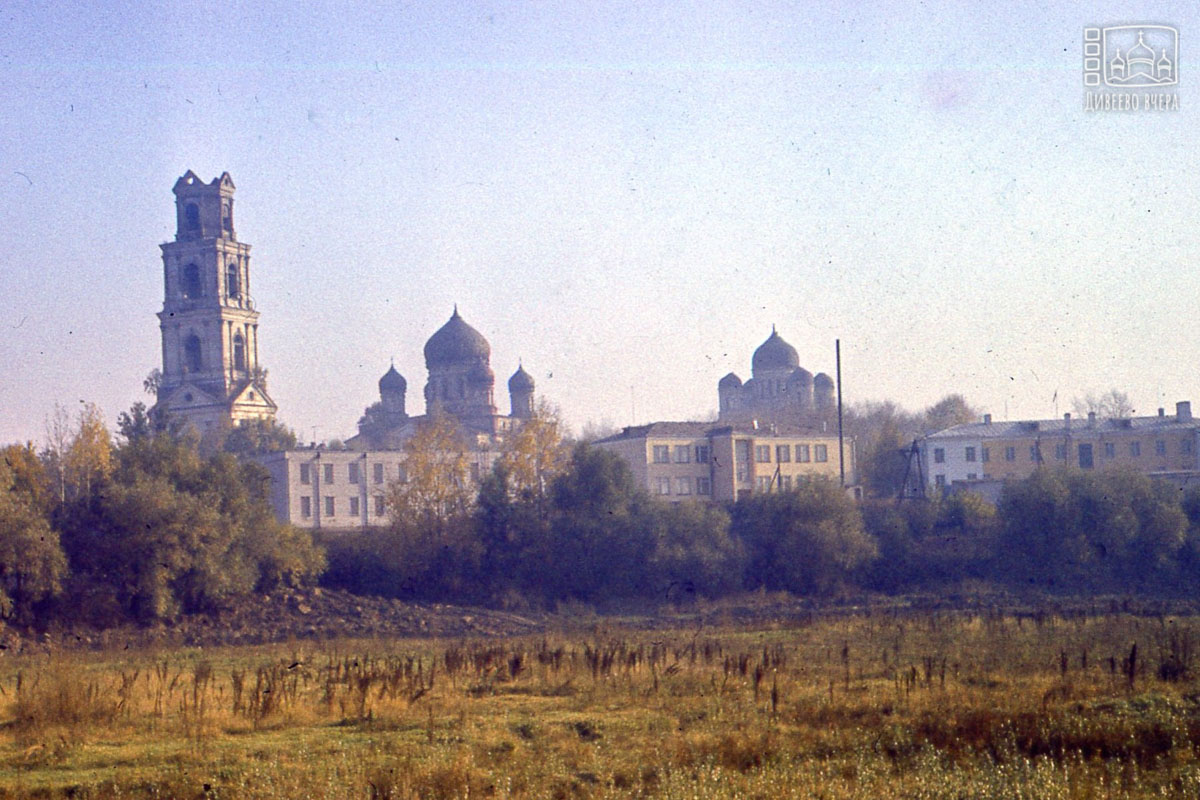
pixel 32 563
pixel 89 457
pixel 262 435
pixel 694 553
pixel 808 541
pixel 951 410
pixel 1113 404
pixel 535 455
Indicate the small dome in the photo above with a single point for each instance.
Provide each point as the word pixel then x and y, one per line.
pixel 775 353
pixel 392 381
pixel 456 342
pixel 521 381
pixel 801 376
pixel 823 381
pixel 730 381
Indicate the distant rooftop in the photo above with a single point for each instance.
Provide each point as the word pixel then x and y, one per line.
pixel 988 429
pixel 696 430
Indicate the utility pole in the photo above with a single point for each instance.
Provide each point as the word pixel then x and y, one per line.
pixel 837 346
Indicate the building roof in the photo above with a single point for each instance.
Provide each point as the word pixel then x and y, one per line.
pixel 1023 429
pixel 774 353
pixel 456 342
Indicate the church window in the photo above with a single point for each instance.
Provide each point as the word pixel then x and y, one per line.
pixel 192 287
pixel 191 217
pixel 193 360
pixel 227 216
pixel 820 452
pixel 231 279
pixel 239 353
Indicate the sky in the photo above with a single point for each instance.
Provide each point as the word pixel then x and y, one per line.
pixel 622 197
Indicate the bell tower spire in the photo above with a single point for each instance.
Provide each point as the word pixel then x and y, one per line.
pixel 210 369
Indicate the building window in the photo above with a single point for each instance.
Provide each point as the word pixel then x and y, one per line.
pixel 329 507
pixel 401 474
pixel 1010 454
pixel 741 450
pixel 239 352
pixel 306 507
pixel 762 484
pixel 1160 447
pixel 802 453
pixel 1060 452
pixel 939 480
pixel 969 454
pixel 762 453
pixel 352 470
pixel 985 455
pixel 683 486
pixel 378 468
pixel 231 279
pixel 305 476
pixel 379 505
pixel 785 482
pixel 820 452
pixel 329 473
pixel 1135 449
pixel 701 454
pixel 664 486
pixel 683 453
pixel 1035 453
pixel 939 455
pixel 354 506
pixel 741 472
pixel 703 486
pixel 193 356
pixel 1185 446
pixel 191 216
pixel 972 476
pixel 662 454
pixel 783 453
pixel 192 288
pixel 1110 450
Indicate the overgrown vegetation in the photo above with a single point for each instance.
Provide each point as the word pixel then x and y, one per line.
pixel 878 703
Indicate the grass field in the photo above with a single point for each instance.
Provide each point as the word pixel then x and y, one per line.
pixel 877 704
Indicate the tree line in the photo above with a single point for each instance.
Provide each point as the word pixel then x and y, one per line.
pixel 156 522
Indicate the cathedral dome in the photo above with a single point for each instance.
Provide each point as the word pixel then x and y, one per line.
pixel 456 342
pixel 392 381
pixel 801 376
pixel 521 381
pixel 774 354
pixel 823 381
pixel 729 381
pixel 480 374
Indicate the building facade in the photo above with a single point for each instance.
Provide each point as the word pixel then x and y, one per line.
pixel 345 490
pixel 707 462
pixel 210 368
pixel 987 451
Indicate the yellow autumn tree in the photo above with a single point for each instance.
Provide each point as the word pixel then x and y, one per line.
pixel 89 456
pixel 536 454
pixel 435 485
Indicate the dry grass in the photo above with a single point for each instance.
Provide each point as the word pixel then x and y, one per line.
pixel 921 706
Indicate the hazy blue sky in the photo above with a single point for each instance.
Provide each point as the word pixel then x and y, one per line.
pixel 625 196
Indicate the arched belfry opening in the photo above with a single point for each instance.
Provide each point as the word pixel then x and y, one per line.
pixel 239 352
pixel 193 355
pixel 193 288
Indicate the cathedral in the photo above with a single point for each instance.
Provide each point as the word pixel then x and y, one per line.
pixel 210 370
pixel 461 385
pixel 780 391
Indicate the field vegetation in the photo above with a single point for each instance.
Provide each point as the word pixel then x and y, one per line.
pixel 878 703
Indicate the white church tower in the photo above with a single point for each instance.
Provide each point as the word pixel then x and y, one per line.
pixel 210 368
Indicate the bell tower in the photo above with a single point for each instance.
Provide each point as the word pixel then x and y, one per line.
pixel 210 368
